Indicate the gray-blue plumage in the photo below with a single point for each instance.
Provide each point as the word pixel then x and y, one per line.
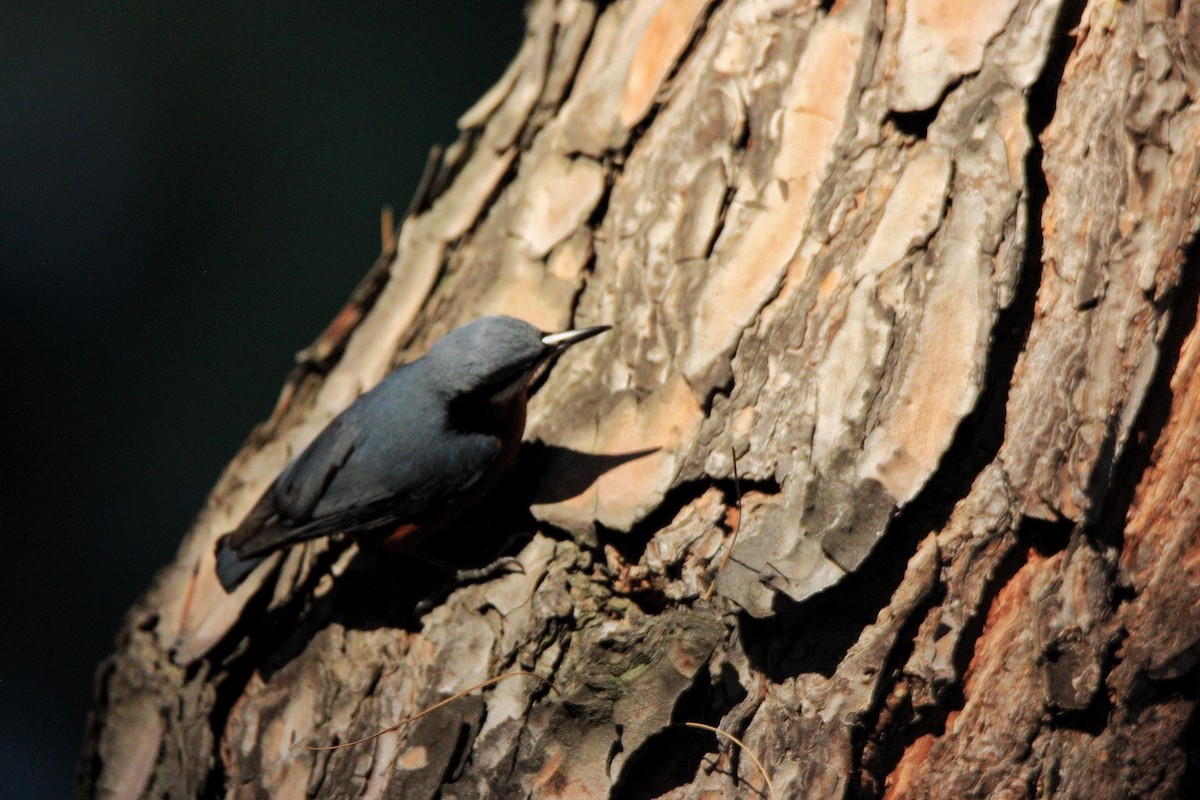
pixel 410 452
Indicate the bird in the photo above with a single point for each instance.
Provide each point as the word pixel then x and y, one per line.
pixel 410 455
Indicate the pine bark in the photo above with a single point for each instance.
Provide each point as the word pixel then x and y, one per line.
pixel 918 274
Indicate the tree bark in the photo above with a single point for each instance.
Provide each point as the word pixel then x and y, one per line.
pixel 918 274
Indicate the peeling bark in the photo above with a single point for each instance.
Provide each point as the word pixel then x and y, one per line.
pixel 925 271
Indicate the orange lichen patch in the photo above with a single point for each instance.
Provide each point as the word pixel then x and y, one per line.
pixel 662 40
pixel 413 758
pixel 733 517
pixel 900 782
pixel 830 282
pixel 1161 555
pixel 814 113
pixel 942 40
pixel 1167 499
pixel 1002 679
pixel 583 776
pixel 1006 629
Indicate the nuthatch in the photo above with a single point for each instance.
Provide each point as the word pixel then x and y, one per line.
pixel 410 455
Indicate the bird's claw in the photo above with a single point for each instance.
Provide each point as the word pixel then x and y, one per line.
pixel 501 566
pixel 423 607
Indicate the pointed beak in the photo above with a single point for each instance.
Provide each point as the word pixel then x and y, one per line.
pixel 557 342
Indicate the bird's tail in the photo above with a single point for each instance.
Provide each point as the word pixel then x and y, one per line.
pixel 232 569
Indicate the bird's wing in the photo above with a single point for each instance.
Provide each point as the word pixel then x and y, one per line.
pixel 289 502
pixel 425 477
pixel 302 484
pixel 331 494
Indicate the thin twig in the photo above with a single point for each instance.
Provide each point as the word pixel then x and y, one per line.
pixel 741 744
pixel 737 493
pixel 387 232
pixel 433 707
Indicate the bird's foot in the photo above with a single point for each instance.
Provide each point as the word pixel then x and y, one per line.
pixel 501 566
pixel 464 577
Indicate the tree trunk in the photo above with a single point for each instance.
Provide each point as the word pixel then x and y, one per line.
pixel 916 273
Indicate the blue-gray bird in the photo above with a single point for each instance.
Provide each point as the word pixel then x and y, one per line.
pixel 409 456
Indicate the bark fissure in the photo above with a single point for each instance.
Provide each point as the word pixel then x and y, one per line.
pixel 1180 316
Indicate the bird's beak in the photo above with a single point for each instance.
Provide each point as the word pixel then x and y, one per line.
pixel 557 342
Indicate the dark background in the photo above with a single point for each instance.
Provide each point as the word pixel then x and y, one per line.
pixel 188 193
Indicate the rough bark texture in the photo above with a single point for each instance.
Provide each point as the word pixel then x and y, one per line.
pixel 921 267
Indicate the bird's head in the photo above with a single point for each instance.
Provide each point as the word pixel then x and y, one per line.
pixel 494 357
